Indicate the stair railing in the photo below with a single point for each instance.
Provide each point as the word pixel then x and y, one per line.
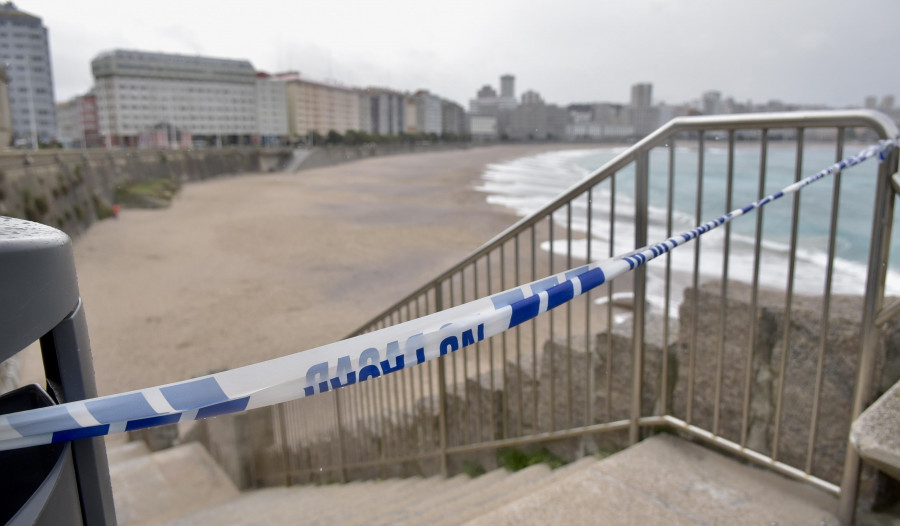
pixel 581 385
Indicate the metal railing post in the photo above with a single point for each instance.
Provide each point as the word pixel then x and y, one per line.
pixel 342 472
pixel 285 450
pixel 442 389
pixel 641 185
pixel 862 392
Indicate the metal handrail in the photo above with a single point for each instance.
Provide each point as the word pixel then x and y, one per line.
pixel 428 414
pixel 879 122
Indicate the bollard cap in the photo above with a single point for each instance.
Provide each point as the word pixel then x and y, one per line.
pixel 38 286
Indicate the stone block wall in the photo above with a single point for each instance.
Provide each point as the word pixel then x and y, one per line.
pixel 69 190
pixel 806 331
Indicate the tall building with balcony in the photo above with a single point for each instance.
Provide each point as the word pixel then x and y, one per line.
pixel 213 99
pixel 382 111
pixel 5 113
pixel 272 128
pixel 429 116
pixel 453 118
pixel 320 107
pixel 25 50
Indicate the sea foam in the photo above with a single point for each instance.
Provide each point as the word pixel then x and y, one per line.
pixel 526 185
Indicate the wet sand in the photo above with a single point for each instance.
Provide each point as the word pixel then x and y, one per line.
pixel 249 268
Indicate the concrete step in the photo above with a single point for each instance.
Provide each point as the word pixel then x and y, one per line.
pixel 379 495
pixel 151 488
pixel 398 496
pixel 390 514
pixel 297 158
pixel 476 510
pixel 662 480
pixel 463 508
pixel 126 451
pixel 667 480
pixel 315 505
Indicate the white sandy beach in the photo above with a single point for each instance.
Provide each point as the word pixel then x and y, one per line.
pixel 244 269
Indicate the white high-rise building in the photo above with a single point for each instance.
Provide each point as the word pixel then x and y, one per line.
pixel 487 101
pixel 24 49
pixel 213 99
pixel 271 110
pixel 428 113
pixel 382 111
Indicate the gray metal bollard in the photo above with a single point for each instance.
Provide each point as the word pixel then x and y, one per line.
pixel 39 300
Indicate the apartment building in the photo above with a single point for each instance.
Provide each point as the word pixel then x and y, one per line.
pixel 429 116
pixel 271 111
pixel 453 118
pixel 25 51
pixel 79 123
pixel 320 107
pixel 213 99
pixel 382 111
pixel 5 113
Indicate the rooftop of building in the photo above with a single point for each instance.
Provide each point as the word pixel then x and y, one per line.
pixel 132 63
pixel 295 76
pixel 9 9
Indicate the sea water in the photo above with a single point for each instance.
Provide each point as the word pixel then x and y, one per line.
pixel 528 184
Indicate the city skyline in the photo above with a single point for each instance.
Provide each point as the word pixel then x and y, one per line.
pixel 803 53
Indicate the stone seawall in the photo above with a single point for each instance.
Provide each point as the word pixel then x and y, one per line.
pixel 69 190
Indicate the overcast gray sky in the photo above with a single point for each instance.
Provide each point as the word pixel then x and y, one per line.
pixel 833 52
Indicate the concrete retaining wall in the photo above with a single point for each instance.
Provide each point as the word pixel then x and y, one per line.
pixel 70 190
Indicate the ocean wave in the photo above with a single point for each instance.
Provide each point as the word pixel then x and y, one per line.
pixel 526 185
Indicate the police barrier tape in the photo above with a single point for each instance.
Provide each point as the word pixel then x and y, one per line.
pixel 356 359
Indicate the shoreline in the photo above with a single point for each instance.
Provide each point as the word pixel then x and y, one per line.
pixel 248 268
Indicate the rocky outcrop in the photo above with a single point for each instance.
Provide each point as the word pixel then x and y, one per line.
pixel 787 408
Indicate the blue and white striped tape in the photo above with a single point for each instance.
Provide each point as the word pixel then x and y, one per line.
pixel 353 360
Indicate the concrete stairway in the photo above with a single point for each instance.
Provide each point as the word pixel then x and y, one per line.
pixel 662 480
pixel 297 158
pixel 150 488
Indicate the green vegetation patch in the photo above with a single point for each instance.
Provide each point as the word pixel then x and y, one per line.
pixel 514 459
pixel 102 209
pixel 473 468
pixel 156 193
